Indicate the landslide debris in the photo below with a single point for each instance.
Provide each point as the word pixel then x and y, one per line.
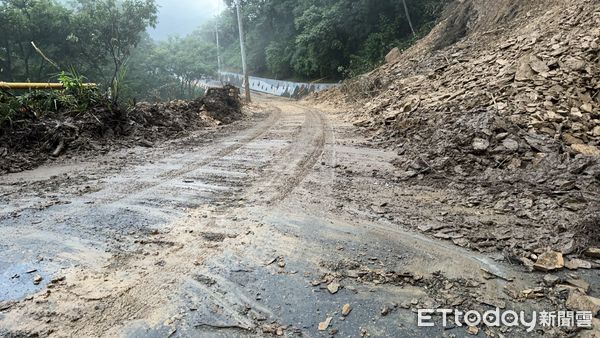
pixel 39 134
pixel 500 101
pixel 222 104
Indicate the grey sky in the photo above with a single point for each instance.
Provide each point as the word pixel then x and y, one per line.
pixel 179 17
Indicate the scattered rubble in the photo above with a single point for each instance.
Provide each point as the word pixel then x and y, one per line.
pixel 346 309
pixel 37 279
pixel 473 330
pixel 593 252
pixel 505 111
pixel 324 325
pixel 579 301
pixel 549 261
pixel 443 292
pixel 551 280
pixel 333 287
pixel 579 283
pixel 574 264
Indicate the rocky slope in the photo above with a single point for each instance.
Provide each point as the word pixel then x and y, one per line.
pixel 500 101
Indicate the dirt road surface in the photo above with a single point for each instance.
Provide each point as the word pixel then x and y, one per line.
pixel 266 227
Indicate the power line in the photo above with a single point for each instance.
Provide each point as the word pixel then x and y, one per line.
pixel 408 17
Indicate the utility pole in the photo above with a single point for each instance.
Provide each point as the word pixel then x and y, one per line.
pixel 217 35
pixel 243 48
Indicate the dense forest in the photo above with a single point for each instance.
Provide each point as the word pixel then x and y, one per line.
pixel 324 39
pixel 105 41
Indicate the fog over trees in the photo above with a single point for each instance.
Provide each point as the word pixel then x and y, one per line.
pixel 182 17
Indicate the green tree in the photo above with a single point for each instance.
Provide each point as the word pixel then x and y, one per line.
pixel 315 39
pixel 112 29
pixel 24 21
pixel 189 59
pixel 300 39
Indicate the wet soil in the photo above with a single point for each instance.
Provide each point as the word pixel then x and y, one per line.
pixel 34 139
pixel 268 226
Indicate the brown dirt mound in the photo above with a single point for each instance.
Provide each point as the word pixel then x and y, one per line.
pixel 222 104
pixel 27 143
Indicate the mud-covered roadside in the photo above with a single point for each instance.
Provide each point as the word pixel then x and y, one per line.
pixel 26 143
pixel 287 225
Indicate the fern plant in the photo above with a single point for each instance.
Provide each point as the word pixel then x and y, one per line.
pixel 71 81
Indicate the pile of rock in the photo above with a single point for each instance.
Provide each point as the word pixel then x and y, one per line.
pixel 510 115
pixel 218 106
pixel 528 93
pixel 528 98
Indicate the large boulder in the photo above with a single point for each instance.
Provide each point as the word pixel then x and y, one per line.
pixel 393 56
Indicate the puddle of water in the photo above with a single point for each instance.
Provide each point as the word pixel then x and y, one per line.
pixel 17 280
pixel 45 252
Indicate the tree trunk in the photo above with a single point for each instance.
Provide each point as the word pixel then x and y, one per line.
pixel 9 70
pixel 115 82
pixel 25 60
pixel 27 77
pixel 40 70
pixel 408 18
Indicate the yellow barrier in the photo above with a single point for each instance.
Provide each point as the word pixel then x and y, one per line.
pixel 31 85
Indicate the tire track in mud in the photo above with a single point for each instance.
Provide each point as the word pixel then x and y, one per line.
pixel 302 168
pixel 291 165
pixel 287 172
pixel 173 174
pixel 289 168
pixel 292 147
pixel 306 142
pixel 295 162
pixel 157 196
pixel 143 196
pixel 131 186
pixel 114 225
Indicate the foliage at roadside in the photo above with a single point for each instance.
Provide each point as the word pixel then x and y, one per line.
pixel 315 39
pixel 74 100
pixel 105 40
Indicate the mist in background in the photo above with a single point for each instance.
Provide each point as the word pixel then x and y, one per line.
pixel 180 17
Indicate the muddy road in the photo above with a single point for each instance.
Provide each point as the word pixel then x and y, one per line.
pixel 266 227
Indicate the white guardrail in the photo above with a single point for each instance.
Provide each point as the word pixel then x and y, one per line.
pixel 271 86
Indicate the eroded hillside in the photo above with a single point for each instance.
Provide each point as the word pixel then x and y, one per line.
pixel 503 97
